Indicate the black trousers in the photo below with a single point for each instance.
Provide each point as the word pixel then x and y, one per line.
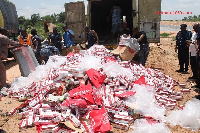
pixel 183 56
pixel 194 66
pixel 59 47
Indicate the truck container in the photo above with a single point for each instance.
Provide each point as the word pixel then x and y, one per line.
pixel 139 13
pixel 8 15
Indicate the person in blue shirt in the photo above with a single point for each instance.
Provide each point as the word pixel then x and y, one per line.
pixel 68 36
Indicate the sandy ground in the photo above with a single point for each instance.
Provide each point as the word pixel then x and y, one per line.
pixel 178 23
pixel 162 57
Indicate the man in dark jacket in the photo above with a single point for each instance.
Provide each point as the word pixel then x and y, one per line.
pixel 91 38
pixel 182 41
pixel 37 46
pixel 55 39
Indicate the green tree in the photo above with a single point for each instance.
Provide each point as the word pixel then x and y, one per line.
pixel 190 17
pixel 35 18
pixel 185 18
pixel 61 17
pixel 47 18
pixel 21 20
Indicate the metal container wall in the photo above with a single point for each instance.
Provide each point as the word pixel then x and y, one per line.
pixel 9 14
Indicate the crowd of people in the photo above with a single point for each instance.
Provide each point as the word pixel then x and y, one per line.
pixel 188 47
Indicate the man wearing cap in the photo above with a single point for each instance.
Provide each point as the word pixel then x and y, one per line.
pixel 182 41
pixel 4 41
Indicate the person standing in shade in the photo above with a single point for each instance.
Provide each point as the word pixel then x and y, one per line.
pixel 37 46
pixel 68 36
pixel 193 53
pixel 91 38
pixel 55 39
pixel 115 14
pixel 144 45
pixel 123 30
pixel 4 42
pixel 182 39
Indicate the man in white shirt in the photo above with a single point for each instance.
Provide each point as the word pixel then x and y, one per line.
pixel 193 53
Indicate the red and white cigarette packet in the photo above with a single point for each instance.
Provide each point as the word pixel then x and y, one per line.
pixel 30 119
pixel 13 112
pixel 112 109
pixel 162 101
pixel 122 119
pixel 15 97
pixel 87 127
pixel 51 126
pixel 171 100
pixel 36 118
pixel 66 113
pixel 44 122
pixel 182 85
pixel 185 90
pixel 170 106
pixel 49 114
pixel 36 109
pixel 75 121
pixel 47 106
pixel 92 107
pixel 181 107
pixel 58 119
pixel 178 93
pixel 22 125
pixel 121 126
pixel 178 98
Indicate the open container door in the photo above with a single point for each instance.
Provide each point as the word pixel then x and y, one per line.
pixel 75 19
pixel 148 20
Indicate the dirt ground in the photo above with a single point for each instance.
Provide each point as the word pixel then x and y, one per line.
pixel 177 23
pixel 162 56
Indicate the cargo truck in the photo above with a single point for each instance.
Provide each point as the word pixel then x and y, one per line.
pixel 139 13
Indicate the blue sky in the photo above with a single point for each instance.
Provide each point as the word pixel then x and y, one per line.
pixel 46 7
